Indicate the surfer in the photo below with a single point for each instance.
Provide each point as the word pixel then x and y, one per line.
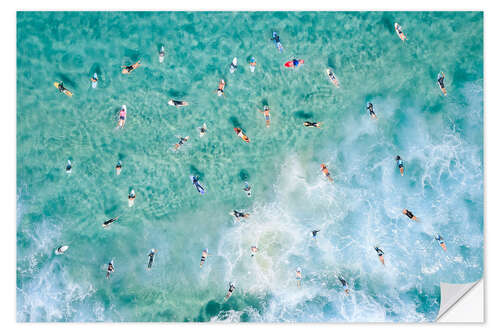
pixel 253 63
pixel 277 41
pixel 314 233
pixel 247 189
pixel 199 188
pixel 61 87
pixel 151 256
pixel 131 198
pixel 94 80
pixel 399 31
pixel 344 284
pixel 181 142
pixel 267 115
pixel 230 291
pixel 220 90
pixel 400 165
pixel 177 103
pixel 68 167
pixel 325 171
pixel 203 130
pixel 440 81
pixel 237 214
pixel 254 250
pixel 370 108
pixel 242 135
pixel 204 255
pixel 123 117
pixel 312 124
pixel 380 254
pixel 294 63
pixel 129 69
pixel 409 214
pixel 111 269
pixel 108 222
pixel 234 65
pixel 332 77
pixel 298 276
pixel 118 167
pixel 441 241
pixel 161 55
pixel 61 249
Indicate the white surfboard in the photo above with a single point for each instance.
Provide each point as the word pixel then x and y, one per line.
pixel 61 249
pixel 131 200
pixel 161 55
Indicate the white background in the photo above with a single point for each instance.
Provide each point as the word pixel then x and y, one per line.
pixel 8 157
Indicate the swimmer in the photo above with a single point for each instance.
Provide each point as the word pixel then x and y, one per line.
pixel 111 269
pixel 94 80
pixel 131 198
pixel 203 130
pixel 199 188
pixel 399 31
pixel 247 189
pixel 242 135
pixel 409 214
pixel 181 142
pixel 230 291
pixel 118 167
pixel 254 250
pixel 370 108
pixel 344 284
pixel 312 124
pixel 440 81
pixel 123 117
pixel 129 69
pixel 253 63
pixel 441 241
pixel 237 214
pixel 108 222
pixel 267 115
pixel 314 233
pixel 400 165
pixel 151 256
pixel 68 167
pixel 61 249
pixel 380 255
pixel 177 103
pixel 220 90
pixel 204 255
pixel 326 172
pixel 298 276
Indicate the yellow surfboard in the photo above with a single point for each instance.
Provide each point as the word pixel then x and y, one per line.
pixel 66 91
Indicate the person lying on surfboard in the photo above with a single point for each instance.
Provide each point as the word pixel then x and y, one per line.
pixel 68 167
pixel 399 31
pixel 220 90
pixel 247 189
pixel 380 254
pixel 181 142
pixel 344 284
pixel 254 250
pixel 111 269
pixel 131 198
pixel 123 117
pixel 314 233
pixel 277 41
pixel 177 103
pixel 298 276
pixel 108 222
pixel 400 165
pixel 294 63
pixel 311 124
pixel 151 256
pixel 409 214
pixel 237 214
pixel 242 135
pixel 204 255
pixel 196 182
pixel 266 115
pixel 370 109
pixel 129 69
pixel 118 167
pixel 325 171
pixel 441 242
pixel 440 81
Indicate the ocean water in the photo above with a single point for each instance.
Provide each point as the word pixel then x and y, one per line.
pixel 440 139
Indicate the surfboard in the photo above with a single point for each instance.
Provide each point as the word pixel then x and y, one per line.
pixel 131 200
pixel 290 63
pixel 243 136
pixel 61 250
pixel 66 91
pixel 177 103
pixel 401 35
pixel 94 82
pixel 234 65
pixel 161 55
pixel 278 44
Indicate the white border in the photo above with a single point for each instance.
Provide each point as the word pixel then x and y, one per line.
pixel 8 151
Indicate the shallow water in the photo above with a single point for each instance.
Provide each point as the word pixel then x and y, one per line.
pixel 439 138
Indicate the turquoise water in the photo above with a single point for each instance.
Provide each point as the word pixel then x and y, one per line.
pixel 439 138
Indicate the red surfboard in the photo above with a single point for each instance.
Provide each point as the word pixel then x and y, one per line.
pixel 290 63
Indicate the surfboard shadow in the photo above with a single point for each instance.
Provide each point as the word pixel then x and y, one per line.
pixel 66 80
pixel 195 172
pixel 234 121
pixel 303 115
pixel 244 175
